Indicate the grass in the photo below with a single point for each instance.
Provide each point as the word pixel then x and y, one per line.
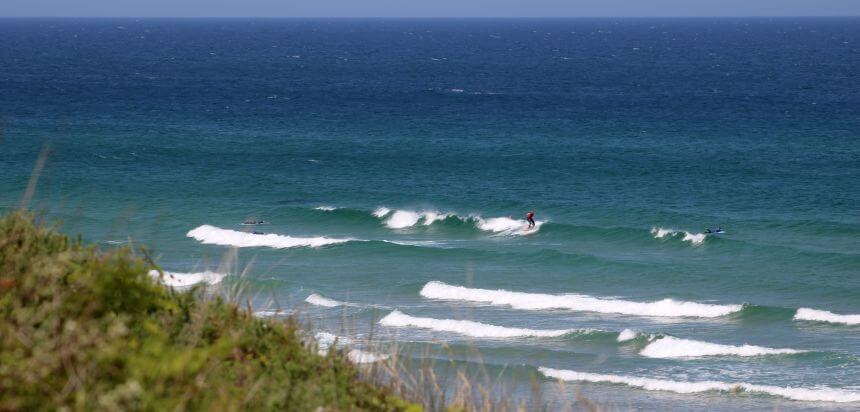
pixel 86 329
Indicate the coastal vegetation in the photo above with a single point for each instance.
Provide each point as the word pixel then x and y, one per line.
pixel 90 329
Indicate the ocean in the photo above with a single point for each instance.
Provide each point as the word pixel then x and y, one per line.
pixel 393 162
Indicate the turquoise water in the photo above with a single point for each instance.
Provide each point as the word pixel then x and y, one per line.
pixel 626 137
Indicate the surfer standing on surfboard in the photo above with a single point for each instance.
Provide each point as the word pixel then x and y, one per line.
pixel 530 216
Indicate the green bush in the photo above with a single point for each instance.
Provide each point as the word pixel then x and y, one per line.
pixel 86 329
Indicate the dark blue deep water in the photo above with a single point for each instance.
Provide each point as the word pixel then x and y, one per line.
pixel 394 161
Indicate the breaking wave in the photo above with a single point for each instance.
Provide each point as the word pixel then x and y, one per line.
pixel 799 394
pixel 506 225
pixel 381 212
pixel 671 347
pixel 541 301
pixel 825 316
pixel 225 237
pixel 470 328
pixel 184 280
pixel 318 300
pixel 402 219
pixel 271 313
pixel 325 340
pixel 695 239
pixel 626 335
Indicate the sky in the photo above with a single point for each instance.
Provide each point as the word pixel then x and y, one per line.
pixel 426 8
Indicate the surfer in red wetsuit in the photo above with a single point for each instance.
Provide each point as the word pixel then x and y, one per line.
pixel 530 216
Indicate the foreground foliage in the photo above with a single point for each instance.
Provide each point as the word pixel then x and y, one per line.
pixel 87 329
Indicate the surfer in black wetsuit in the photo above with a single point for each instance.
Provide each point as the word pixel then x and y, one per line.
pixel 530 216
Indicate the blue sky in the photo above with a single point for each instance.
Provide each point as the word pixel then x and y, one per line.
pixel 428 8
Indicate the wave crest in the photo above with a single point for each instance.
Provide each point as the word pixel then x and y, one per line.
pixel 799 394
pixel 325 340
pixel 225 237
pixel 695 239
pixel 184 280
pixel 506 225
pixel 380 212
pixel 825 316
pixel 319 300
pixel 469 328
pixel 626 335
pixel 671 347
pixel 401 219
pixel 541 301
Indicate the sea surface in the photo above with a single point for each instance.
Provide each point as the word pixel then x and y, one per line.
pixel 393 162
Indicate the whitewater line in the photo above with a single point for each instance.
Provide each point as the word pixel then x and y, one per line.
pixel 695 239
pixel 669 347
pixel 319 300
pixel 540 301
pixel 650 384
pixel 212 235
pixel 325 340
pixel 185 280
pixel 402 219
pixel 825 316
pixel 471 328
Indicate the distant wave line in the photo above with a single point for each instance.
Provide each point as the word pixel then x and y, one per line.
pixel 651 384
pixel 212 235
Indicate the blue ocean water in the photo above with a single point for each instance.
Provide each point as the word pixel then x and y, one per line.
pixel 394 160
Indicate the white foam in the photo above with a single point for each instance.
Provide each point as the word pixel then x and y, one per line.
pixel 360 356
pixel 271 313
pixel 541 301
pixel 380 212
pixel 402 219
pixel 325 208
pixel 506 225
pixel 660 233
pixel 431 217
pixel 672 347
pixel 825 316
pixel 823 394
pixel 421 243
pixel 184 280
pixel 117 242
pixel 694 238
pixel 318 300
pixel 467 327
pixel 225 237
pixel 325 340
pixel 626 334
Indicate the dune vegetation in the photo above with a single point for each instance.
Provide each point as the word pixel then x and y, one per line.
pixel 90 329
